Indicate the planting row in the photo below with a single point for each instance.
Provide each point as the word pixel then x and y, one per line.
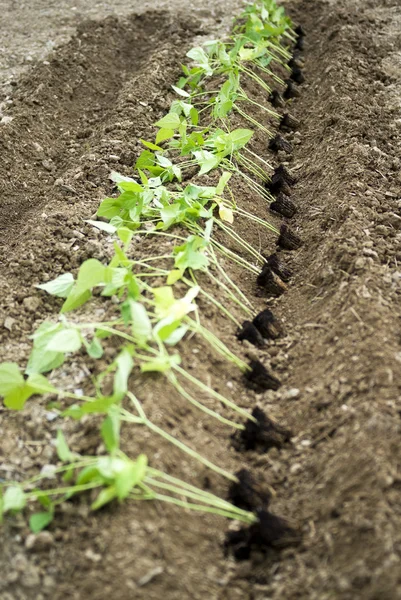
pixel 149 303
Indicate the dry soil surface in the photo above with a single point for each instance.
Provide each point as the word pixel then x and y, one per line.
pixel 80 113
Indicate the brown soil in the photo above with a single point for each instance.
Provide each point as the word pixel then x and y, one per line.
pixel 337 480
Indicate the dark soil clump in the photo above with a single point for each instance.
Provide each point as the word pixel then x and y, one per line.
pixel 288 240
pixel 270 282
pixel 279 143
pixel 297 75
pixel 268 325
pixel 270 531
pixel 259 378
pixel 289 122
pixel 276 99
pixel 246 494
pixel 262 435
pixel 250 333
pixel 291 91
pixel 278 267
pixel 284 206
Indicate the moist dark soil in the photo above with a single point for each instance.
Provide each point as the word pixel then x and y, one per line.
pixel 326 445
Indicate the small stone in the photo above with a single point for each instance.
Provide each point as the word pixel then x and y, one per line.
pixel 93 556
pixel 6 120
pixel 114 157
pixel 8 323
pixel 39 541
pixel 31 303
pixel 295 468
pixel 291 394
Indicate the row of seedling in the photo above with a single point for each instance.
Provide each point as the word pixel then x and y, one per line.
pixel 148 320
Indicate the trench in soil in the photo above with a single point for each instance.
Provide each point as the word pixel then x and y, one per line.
pixel 339 363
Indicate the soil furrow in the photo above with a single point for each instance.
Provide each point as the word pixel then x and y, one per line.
pixel 336 475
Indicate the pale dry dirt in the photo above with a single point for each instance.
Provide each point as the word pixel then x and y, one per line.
pixel 77 115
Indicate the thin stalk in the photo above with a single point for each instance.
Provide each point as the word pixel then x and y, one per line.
pixel 234 235
pixel 215 394
pixel 174 381
pixel 219 346
pixel 252 120
pixel 177 443
pixel 229 293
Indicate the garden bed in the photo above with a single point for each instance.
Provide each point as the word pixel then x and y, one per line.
pixel 335 478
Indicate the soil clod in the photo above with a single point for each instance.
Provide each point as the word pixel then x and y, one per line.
pixel 300 31
pixel 291 91
pixel 300 45
pixel 278 267
pixel 279 143
pixel 270 282
pixel 262 435
pixel 259 378
pixel 268 325
pixel 284 206
pixel 289 122
pixel 297 75
pixel 250 333
pixel 276 99
pixel 288 240
pixel 270 531
pixel 246 494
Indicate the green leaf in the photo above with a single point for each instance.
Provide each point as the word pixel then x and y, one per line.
pixel 10 378
pixel 61 286
pixel 42 360
pixel 91 274
pixel 13 499
pixel 222 183
pixel 164 134
pixel 105 496
pixel 95 349
pixel 66 340
pixel 174 276
pixel 141 326
pixel 132 474
pixel 180 92
pixel 102 226
pixel 150 145
pixel 191 254
pixel 40 385
pixel 40 520
pixel 63 451
pixel 240 137
pixel 16 400
pixel 124 367
pixel 110 431
pixel 170 121
pixel 206 160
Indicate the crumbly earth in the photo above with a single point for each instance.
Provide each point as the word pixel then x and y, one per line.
pixel 338 480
